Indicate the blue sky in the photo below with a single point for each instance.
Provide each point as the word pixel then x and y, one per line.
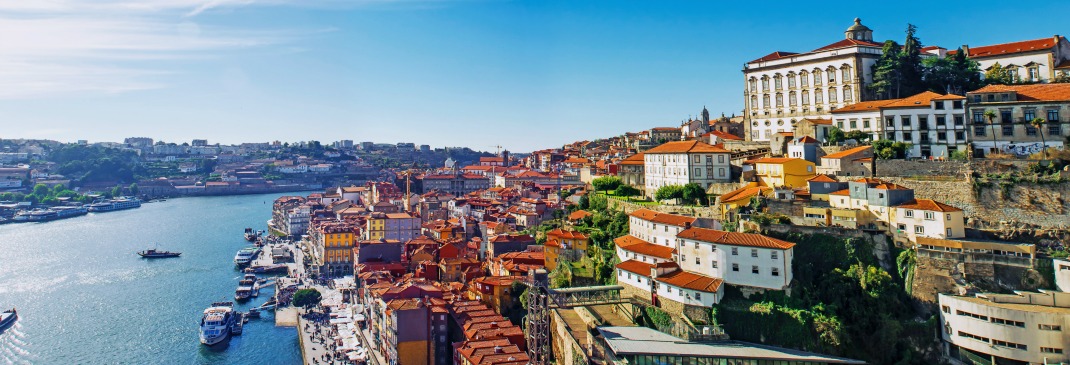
pixel 523 74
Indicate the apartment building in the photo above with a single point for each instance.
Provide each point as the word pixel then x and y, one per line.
pixel 685 162
pixel 1019 328
pixel 1006 128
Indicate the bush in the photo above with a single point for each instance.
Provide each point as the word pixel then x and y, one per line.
pixel 694 193
pixel 669 192
pixel 606 183
pixel 626 190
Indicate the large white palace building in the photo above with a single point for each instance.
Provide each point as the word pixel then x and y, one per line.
pixel 782 88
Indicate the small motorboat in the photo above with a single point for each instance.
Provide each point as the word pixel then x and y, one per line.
pixel 8 317
pixel 253 313
pixel 157 254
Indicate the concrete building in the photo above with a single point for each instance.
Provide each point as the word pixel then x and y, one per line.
pixel 806 148
pixel 775 172
pixel 391 226
pixel 741 259
pixel 933 124
pixel 1037 60
pixel 1020 328
pixel 632 171
pixel 849 162
pixel 1014 107
pixel 1062 274
pixel 685 162
pixel 782 88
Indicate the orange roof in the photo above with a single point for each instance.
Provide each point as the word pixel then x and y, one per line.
pixel 636 266
pixel 572 235
pixel 863 106
pixel 841 192
pixel 928 204
pixel 663 218
pixel 636 159
pixel 579 214
pixel 742 193
pixel 890 186
pixel 950 97
pixel 725 135
pixel 1011 48
pixel 684 279
pixel 1035 92
pixel 849 152
pixel 686 147
pixel 806 139
pixel 822 178
pixel 734 239
pixel 774 56
pixel 917 100
pixel 819 121
pixel 776 160
pixel 786 134
pixel 633 244
pixel 847 43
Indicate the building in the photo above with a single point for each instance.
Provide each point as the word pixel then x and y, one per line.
pixel 659 135
pixel 1014 106
pixel 806 148
pixel 849 162
pixel 458 185
pixel 821 186
pixel 290 216
pixel 929 218
pixel 656 227
pixel 332 245
pixel 933 124
pixel 505 243
pixel 391 226
pixel 685 162
pixel 564 245
pixel 813 127
pixel 642 345
pixel 632 171
pixel 1036 60
pixel 1062 274
pixel 740 259
pixel 776 172
pixel 782 88
pixel 494 291
pixel 1019 328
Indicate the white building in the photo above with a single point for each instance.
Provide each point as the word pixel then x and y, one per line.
pixel 1037 60
pixel 782 88
pixel 742 259
pixel 1028 328
pixel 657 228
pixel 933 124
pixel 685 162
pixel 1062 274
pixel 929 218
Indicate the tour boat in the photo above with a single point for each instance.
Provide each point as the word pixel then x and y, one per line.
pixel 246 288
pixel 115 204
pixel 155 254
pixel 217 323
pixel 246 255
pixel 8 317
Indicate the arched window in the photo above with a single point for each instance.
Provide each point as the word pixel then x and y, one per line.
pixel 777 83
pixel 805 97
pixel 804 79
pixel 832 95
pixel 791 80
pixel 754 101
pixel 819 96
pixel 846 71
pixel 765 83
pixel 832 75
pixel 753 84
pixel 765 101
pixel 817 77
pixel 779 100
pixel 791 98
pixel 847 95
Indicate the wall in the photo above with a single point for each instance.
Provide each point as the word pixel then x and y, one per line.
pixel 942 272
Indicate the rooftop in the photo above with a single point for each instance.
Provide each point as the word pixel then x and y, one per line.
pixel 686 147
pixel 647 341
pixel 734 238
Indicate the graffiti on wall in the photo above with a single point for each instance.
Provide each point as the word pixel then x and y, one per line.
pixel 1022 149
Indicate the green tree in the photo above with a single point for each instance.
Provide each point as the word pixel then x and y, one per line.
pixel 307 298
pixel 998 75
pixel 117 191
pixel 910 67
pixel 606 183
pixel 858 135
pixel 134 190
pixel 887 149
pixel 40 190
pixel 669 192
pixel 694 193
pixel 886 72
pixel 585 202
pixel 991 116
pixel 836 136
pixel 1038 123
pixel 626 190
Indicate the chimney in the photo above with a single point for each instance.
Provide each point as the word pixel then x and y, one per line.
pixel 497 349
pixel 687 225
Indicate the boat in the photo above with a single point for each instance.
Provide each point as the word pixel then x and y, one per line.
pixel 157 254
pixel 247 288
pixel 68 212
pixel 217 323
pixel 267 269
pixel 246 255
pixel 115 204
pixel 253 313
pixel 36 215
pixel 251 235
pixel 8 317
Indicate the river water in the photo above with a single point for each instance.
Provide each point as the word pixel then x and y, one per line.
pixel 85 297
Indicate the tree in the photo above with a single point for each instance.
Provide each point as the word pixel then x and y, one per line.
pixel 998 75
pixel 1038 123
pixel 134 190
pixel 910 67
pixel 991 116
pixel 858 135
pixel 886 71
pixel 585 202
pixel 694 193
pixel 307 298
pixel 836 136
pixel 117 191
pixel 886 149
pixel 669 192
pixel 606 183
pixel 626 190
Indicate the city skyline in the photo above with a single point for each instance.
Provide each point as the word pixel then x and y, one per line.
pixel 444 73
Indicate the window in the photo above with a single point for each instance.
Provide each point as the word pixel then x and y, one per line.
pixel 754 102
pixel 1008 322
pixel 846 74
pixel 753 85
pixel 919 229
pixel 960 120
pixel 776 271
pixel 1050 327
pixel 939 105
pixel 909 213
pixel 906 120
pixel 698 260
pixel 1034 73
pixel 720 172
pixel 754 269
pixel 1008 130
pixel 854 124
pixel 819 96
pixel 865 123
pixel 720 158
pixel 946 309
pixel 889 122
pixel 804 79
pixel 698 172
pixel 941 120
pixel 1054 130
pixel 973 336
pixel 698 296
pixel 735 267
pixel 754 252
pixel 902 227
pixel 776 82
pixel 979 130
pixel 791 98
pixel 779 100
pixel 765 83
pixel 978 117
pixel 1005 116
pixel 817 77
pixel 847 96
pixel 1030 130
pixel 765 101
pixel 941 136
pixel 735 251
pixel 805 97
pixel 1029 114
pixel 977 98
pixel 714 263
pixel 839 124
pixel 832 77
pixel 1051 350
pixel 773 255
pixel 960 136
pixel 1009 344
pixel 1053 115
pixel 832 94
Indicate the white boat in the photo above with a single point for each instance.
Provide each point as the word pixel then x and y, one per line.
pixel 246 255
pixel 115 204
pixel 67 212
pixel 217 322
pixel 8 317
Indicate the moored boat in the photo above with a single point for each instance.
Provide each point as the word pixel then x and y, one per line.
pixel 115 204
pixel 217 323
pixel 246 255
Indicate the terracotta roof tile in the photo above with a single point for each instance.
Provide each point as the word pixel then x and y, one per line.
pixel 776 160
pixel 633 244
pixel 849 152
pixel 1035 92
pixel 684 279
pixel 636 159
pixel 806 139
pixel 847 43
pixel 734 239
pixel 742 193
pixel 928 204
pixel 686 147
pixel 822 178
pixel 636 267
pixel 774 56
pixel 844 192
pixel 663 218
pixel 1011 48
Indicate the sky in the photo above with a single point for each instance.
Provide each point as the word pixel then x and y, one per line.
pixel 525 75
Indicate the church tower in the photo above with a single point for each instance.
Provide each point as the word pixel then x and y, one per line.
pixel 859 32
pixel 705 115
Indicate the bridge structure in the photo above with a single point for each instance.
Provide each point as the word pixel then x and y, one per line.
pixel 542 299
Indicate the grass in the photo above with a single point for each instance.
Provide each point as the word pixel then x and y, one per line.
pixel 629 199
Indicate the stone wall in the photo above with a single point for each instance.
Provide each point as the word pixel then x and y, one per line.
pixel 698 212
pixel 945 272
pixel 994 207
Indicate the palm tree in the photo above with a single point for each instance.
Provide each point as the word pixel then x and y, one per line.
pixel 991 116
pixel 1038 123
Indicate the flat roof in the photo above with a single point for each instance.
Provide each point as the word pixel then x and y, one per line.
pixel 647 341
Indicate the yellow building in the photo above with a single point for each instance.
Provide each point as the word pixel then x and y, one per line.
pixel 564 245
pixel 775 172
pixel 729 203
pixel 494 291
pixel 333 245
pixel 375 227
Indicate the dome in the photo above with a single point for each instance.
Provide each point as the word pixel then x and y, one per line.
pixel 857 26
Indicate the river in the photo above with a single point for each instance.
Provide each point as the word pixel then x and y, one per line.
pixel 85 297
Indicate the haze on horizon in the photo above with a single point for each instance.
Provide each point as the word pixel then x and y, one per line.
pixel 523 74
